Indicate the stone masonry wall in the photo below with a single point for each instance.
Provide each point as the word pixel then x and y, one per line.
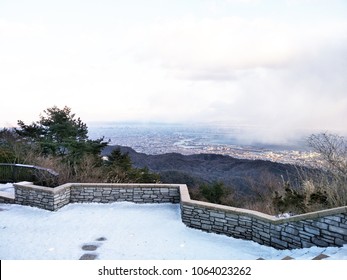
pixel 55 198
pixel 323 228
pixel 125 192
pixel 42 197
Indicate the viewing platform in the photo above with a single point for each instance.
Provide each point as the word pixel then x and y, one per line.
pixel 322 228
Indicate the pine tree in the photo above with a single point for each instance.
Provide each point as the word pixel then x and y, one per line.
pixel 59 133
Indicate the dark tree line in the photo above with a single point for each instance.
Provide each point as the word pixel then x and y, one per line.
pixel 59 140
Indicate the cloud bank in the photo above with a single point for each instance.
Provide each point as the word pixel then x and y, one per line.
pixel 279 68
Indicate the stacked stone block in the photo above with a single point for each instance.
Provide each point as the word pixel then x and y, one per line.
pixel 131 193
pixel 42 197
pixel 55 198
pixel 323 229
pixel 61 196
pixel 34 197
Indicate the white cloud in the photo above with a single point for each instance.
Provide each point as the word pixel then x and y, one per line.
pixel 15 29
pixel 222 46
pixel 230 42
pixel 257 70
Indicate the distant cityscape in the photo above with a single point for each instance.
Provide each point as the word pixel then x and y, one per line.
pixel 187 139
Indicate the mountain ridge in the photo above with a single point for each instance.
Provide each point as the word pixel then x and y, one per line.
pixel 196 169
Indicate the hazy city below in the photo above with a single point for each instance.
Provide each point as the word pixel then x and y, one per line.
pixel 235 141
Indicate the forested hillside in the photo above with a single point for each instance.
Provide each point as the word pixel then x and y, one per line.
pixel 241 174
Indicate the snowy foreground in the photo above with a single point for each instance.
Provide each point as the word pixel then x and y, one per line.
pixel 125 231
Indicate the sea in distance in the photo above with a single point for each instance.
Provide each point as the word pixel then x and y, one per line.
pixel 233 140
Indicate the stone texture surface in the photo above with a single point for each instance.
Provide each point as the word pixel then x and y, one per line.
pixel 85 257
pixel 320 257
pixel 89 247
pixel 319 231
pixel 136 194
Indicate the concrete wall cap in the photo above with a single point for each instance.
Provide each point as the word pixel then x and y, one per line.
pixel 6 195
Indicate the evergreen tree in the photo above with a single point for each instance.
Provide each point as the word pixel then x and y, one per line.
pixel 119 160
pixel 59 133
pixel 120 170
pixel 214 192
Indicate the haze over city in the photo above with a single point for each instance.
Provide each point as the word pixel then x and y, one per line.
pixel 277 66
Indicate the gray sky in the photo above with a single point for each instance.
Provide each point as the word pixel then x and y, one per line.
pixel 277 65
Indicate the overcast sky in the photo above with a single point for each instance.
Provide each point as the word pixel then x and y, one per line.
pixel 278 64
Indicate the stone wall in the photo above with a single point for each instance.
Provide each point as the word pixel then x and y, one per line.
pixel 323 228
pixel 298 232
pixel 42 197
pixel 54 198
pixel 138 193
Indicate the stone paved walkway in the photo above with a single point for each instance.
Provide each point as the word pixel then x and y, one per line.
pixel 91 249
pixel 319 257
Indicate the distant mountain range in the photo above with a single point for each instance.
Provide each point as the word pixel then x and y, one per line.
pixel 193 170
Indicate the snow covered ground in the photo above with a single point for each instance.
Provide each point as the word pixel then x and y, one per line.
pixel 124 231
pixel 8 188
